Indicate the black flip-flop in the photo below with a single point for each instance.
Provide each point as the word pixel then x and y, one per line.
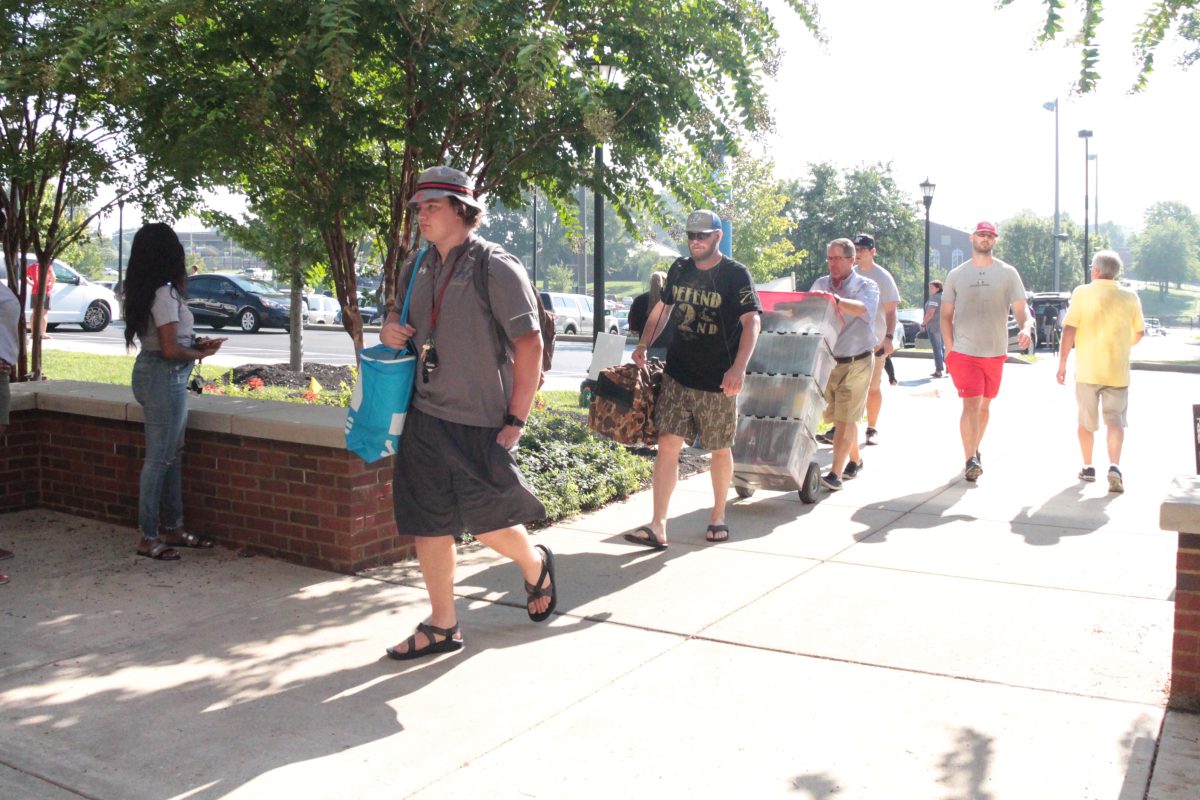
pixel 713 534
pixel 536 592
pixel 649 540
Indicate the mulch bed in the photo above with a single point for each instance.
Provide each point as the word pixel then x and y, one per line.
pixel 327 375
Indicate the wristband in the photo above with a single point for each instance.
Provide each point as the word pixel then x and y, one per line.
pixel 514 420
pixel 641 346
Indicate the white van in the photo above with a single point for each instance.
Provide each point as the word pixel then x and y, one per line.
pixel 322 309
pixel 572 312
pixel 75 300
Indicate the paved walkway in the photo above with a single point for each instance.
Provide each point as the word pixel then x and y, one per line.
pixel 912 636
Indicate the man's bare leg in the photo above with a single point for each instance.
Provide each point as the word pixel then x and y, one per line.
pixel 1115 435
pixel 845 438
pixel 666 475
pixel 722 476
pixel 1087 441
pixel 437 559
pixel 513 543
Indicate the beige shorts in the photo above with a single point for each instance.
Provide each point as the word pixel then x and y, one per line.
pixel 692 414
pixel 1112 400
pixel 846 391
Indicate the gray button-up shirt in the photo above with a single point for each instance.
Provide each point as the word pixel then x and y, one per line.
pixel 10 313
pixel 858 333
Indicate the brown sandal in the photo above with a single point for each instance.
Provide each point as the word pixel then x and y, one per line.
pixel 157 549
pixel 185 539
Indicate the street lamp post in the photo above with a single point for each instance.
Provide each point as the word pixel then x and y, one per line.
pixel 609 74
pixel 120 243
pixel 1096 195
pixel 927 197
pixel 1086 136
pixel 598 252
pixel 1053 106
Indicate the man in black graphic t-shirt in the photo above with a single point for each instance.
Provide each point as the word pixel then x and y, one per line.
pixel 711 302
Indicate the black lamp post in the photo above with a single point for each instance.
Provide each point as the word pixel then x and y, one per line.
pixel 598 249
pixel 535 240
pixel 927 196
pixel 121 245
pixel 609 74
pixel 1087 273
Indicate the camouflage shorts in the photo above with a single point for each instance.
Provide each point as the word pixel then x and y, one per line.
pixel 691 413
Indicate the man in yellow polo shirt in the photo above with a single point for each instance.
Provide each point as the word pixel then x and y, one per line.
pixel 1103 322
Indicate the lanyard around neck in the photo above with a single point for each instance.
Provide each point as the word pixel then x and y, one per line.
pixel 441 293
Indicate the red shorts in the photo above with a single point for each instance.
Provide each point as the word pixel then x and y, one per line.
pixel 975 376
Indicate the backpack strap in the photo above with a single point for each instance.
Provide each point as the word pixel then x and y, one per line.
pixel 481 286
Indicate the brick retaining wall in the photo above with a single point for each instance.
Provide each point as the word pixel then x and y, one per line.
pixel 1181 512
pixel 269 475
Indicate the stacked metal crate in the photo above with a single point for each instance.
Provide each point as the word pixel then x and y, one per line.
pixel 781 402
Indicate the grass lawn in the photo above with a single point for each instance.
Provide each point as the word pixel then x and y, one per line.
pixel 64 365
pixel 1183 302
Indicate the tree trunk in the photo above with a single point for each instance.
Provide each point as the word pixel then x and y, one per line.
pixel 296 356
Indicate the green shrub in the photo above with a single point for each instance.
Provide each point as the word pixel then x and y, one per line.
pixel 571 470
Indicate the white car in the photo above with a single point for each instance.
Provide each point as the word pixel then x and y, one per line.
pixel 322 309
pixel 75 300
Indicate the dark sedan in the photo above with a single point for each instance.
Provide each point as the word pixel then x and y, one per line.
pixel 220 300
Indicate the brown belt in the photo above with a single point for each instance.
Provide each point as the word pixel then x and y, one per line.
pixel 850 359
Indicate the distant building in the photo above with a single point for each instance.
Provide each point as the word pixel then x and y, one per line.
pixel 948 247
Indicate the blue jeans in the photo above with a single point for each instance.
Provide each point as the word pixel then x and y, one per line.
pixel 939 351
pixel 160 386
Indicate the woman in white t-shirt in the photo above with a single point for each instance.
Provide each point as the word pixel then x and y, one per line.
pixel 157 315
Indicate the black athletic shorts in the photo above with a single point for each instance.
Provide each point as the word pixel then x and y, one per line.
pixel 451 478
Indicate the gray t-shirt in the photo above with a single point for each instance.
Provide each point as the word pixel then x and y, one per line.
pixel 888 293
pixel 981 297
pixel 168 307
pixel 934 326
pixel 471 385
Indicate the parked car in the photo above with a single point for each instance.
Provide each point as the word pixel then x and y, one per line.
pixel 219 300
pixel 572 312
pixel 910 318
pixel 618 322
pixel 322 309
pixel 1154 327
pixel 1013 345
pixel 75 300
pixel 1044 307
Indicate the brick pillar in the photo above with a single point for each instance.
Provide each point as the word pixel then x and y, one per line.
pixel 1185 659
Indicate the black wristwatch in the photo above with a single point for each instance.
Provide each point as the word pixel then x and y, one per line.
pixel 514 420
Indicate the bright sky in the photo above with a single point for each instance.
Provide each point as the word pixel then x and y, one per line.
pixel 953 90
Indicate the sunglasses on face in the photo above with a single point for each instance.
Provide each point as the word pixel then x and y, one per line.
pixel 701 236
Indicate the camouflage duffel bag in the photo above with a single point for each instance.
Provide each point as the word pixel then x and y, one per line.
pixel 622 404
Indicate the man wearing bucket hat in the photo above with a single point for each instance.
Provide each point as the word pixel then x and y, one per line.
pixel 976 296
pixel 716 328
pixel 454 469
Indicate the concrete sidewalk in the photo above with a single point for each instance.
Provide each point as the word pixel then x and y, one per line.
pixel 912 636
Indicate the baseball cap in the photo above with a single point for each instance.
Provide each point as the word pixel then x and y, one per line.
pixel 986 227
pixel 703 221
pixel 438 182
pixel 864 240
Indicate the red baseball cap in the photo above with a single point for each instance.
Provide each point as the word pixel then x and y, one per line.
pixel 986 227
